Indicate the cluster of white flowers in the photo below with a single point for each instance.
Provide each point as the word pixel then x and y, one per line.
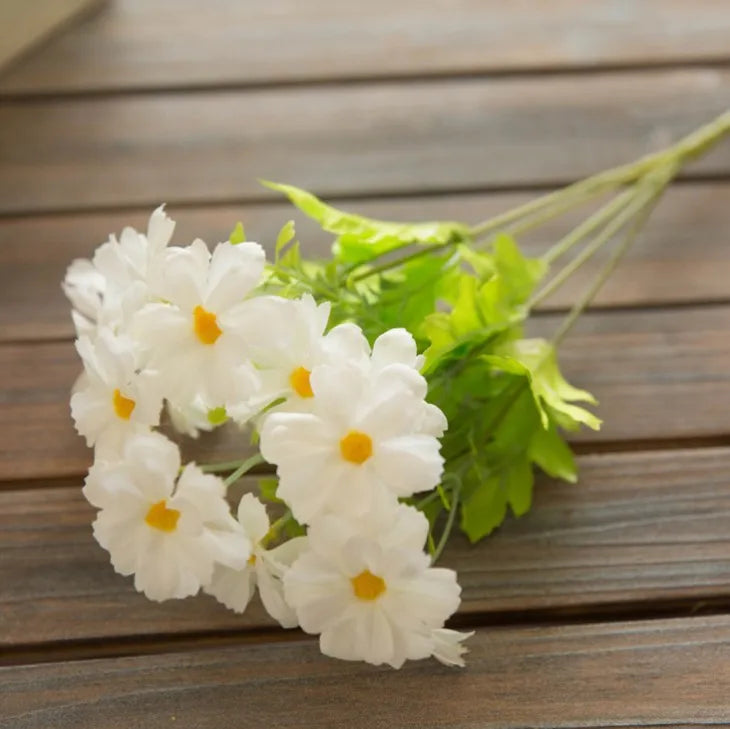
pixel 346 425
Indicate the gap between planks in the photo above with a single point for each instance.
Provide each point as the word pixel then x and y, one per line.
pixel 135 645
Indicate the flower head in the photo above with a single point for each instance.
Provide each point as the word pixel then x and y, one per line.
pixel 109 289
pixel 167 531
pixel 114 398
pixel 367 588
pixel 193 332
pixel 367 438
pixel 264 569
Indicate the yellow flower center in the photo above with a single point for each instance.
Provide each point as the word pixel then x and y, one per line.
pixel 252 560
pixel 205 325
pixel 123 406
pixel 299 381
pixel 368 586
pixel 356 447
pixel 162 518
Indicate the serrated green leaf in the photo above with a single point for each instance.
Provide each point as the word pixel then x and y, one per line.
pixel 285 235
pixel 518 481
pixel 520 272
pixel 238 235
pixel 549 451
pixel 484 509
pixel 361 238
pixel 482 263
pixel 553 394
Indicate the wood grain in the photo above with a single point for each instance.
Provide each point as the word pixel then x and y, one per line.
pixel 366 139
pixel 639 527
pixel 658 374
pixel 170 43
pixel 682 258
pixel 638 673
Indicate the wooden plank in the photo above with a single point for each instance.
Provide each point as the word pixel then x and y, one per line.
pixel 639 527
pixel 683 257
pixel 658 375
pixel 639 673
pixel 152 44
pixel 23 25
pixel 364 139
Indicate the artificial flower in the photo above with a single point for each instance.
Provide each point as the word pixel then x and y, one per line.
pixel 168 531
pixel 192 333
pixel 364 440
pixel 115 397
pixel 264 569
pixel 368 589
pixel 109 289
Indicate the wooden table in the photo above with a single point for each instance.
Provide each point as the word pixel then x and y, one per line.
pixel 609 604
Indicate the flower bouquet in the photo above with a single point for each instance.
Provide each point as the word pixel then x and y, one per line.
pixel 391 387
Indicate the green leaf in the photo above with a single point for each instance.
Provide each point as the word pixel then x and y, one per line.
pixel 520 272
pixel 238 235
pixel 285 235
pixel 267 490
pixel 360 238
pixel 519 480
pixel 553 394
pixel 484 509
pixel 549 451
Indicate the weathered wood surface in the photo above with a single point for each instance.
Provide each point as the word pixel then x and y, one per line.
pixel 683 256
pixel 437 110
pixel 437 136
pixel 170 43
pixel 658 374
pixel 638 528
pixel 631 673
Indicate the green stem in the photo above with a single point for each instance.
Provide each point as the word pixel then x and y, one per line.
pixel 639 201
pixel 245 467
pixel 448 527
pixel 594 222
pixel 613 261
pixel 691 146
pixel 222 466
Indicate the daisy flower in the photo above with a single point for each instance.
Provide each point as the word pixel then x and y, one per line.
pixel 109 289
pixel 367 438
pixel 264 569
pixel 367 588
pixel 193 333
pixel 114 398
pixel 168 532
pixel 286 340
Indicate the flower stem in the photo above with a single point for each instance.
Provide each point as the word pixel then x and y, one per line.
pixel 245 467
pixel 448 527
pixel 613 261
pixel 222 466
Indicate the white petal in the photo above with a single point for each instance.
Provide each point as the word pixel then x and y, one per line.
pixel 394 346
pixel 233 588
pixel 234 271
pixel 253 517
pixel 448 648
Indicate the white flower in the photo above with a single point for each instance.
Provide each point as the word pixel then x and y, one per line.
pixel 114 398
pixel 286 341
pixel 447 646
pixel 265 568
pixel 366 439
pixel 193 337
pixel 368 589
pixel 169 535
pixel 112 287
pixel 84 286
